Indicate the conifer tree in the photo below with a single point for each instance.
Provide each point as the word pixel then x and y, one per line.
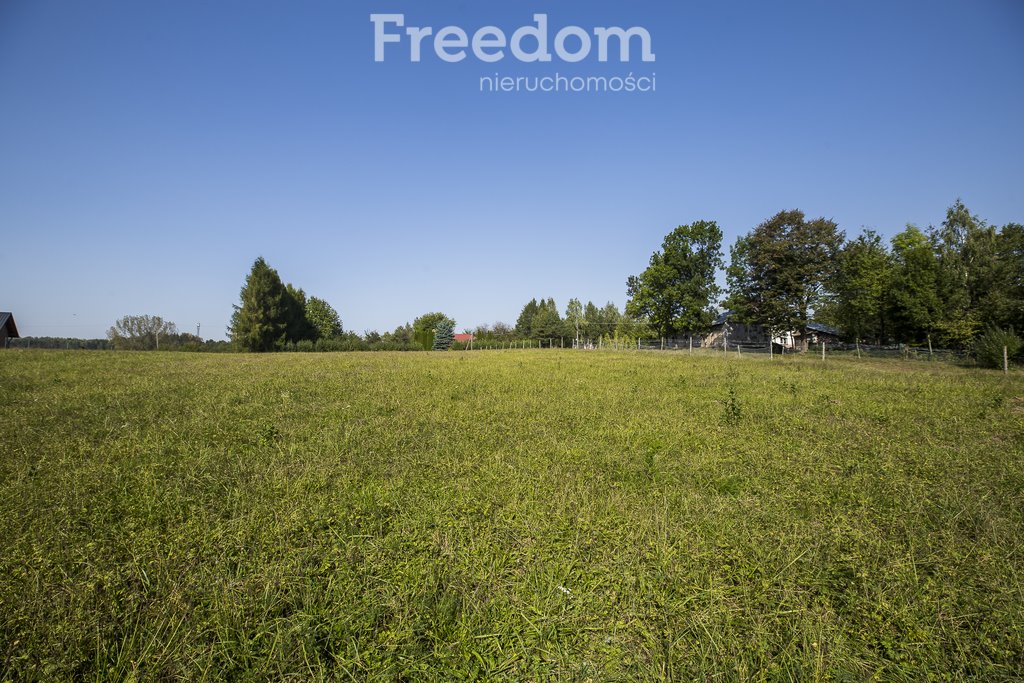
pixel 260 322
pixel 444 335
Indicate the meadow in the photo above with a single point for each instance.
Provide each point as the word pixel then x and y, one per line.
pixel 508 515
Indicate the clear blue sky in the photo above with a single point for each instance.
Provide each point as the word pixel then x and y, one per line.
pixel 151 150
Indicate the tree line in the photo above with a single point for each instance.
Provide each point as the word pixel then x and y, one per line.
pixel 947 285
pixel 944 285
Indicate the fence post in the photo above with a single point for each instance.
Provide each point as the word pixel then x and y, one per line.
pixel 1006 362
pixel 691 345
pixel 738 350
pixel 823 349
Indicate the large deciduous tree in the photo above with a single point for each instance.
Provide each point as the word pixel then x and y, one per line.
pixel 914 288
pixel 861 286
pixel 324 319
pixel 964 247
pixel 1005 304
pixel 780 271
pixel 676 291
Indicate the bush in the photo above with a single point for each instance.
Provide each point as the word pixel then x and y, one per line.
pixel 989 346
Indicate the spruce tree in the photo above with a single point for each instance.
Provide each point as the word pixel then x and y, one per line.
pixel 260 323
pixel 444 335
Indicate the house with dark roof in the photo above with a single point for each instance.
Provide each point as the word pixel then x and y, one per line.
pixel 726 327
pixel 8 330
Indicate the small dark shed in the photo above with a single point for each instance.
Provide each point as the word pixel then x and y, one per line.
pixel 7 328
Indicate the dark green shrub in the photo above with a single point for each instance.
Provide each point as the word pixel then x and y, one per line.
pixel 989 346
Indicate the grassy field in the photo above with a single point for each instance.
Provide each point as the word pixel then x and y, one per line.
pixel 517 515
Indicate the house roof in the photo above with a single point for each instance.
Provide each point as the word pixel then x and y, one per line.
pixel 7 321
pixel 822 329
pixel 464 337
pixel 812 326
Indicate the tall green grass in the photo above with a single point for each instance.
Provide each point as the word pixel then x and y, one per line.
pixel 518 515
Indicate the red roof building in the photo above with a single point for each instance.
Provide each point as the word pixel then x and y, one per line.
pixel 464 338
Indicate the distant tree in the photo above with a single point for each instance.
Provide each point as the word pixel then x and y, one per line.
pixel 260 322
pixel 914 291
pixel 524 324
pixel 574 318
pixel 779 272
pixel 860 286
pixel 444 335
pixel 547 323
pixel 502 331
pixel 1004 303
pixel 324 319
pixel 425 327
pixel 591 320
pixel 141 332
pixel 964 248
pixel 608 317
pixel 298 327
pixel 676 292
pixel 403 335
pixel 630 328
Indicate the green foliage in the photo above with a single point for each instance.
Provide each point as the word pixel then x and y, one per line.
pixel 547 323
pixel 274 316
pixel 260 322
pixel 575 322
pixel 779 272
pixel 914 291
pixel 1003 303
pixel 677 290
pixel 601 322
pixel 252 521
pixel 141 332
pixel 988 348
pixel 424 328
pixel 297 326
pixel 860 285
pixel 630 329
pixel 444 335
pixel 541 320
pixel 524 324
pixel 323 318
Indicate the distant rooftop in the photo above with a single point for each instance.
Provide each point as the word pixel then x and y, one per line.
pixel 7 321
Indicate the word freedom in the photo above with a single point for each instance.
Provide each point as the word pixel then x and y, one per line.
pixel 489 42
